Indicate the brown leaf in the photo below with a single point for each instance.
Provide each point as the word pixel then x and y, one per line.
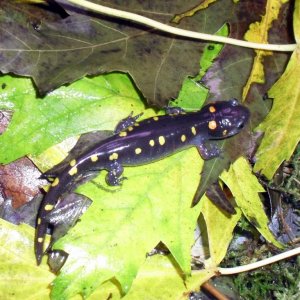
pixel 20 181
pixel 63 50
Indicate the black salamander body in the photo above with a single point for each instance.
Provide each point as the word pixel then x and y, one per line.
pixel 137 143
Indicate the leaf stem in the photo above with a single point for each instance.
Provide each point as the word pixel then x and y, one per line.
pixel 178 31
pixel 258 264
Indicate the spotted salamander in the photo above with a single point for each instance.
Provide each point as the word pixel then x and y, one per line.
pixel 136 143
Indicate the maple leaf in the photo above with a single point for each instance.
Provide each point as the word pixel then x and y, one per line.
pixel 82 107
pixel 144 211
pixel 282 126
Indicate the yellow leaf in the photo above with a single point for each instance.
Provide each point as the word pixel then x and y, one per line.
pixel 189 13
pixel 164 280
pixel 197 279
pixel 160 278
pixel 282 125
pixel 246 188
pixel 258 32
pixel 20 277
pixel 32 1
pixel 220 227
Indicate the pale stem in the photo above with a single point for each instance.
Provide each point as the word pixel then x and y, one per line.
pixel 178 31
pixel 258 264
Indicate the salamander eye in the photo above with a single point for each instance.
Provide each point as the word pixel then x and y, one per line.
pixel 241 125
pixel 234 102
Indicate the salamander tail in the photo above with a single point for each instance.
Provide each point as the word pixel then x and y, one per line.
pixel 40 240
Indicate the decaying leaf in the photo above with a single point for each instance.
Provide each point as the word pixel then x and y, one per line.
pixel 20 181
pixel 54 50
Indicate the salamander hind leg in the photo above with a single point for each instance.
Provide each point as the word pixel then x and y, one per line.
pixel 127 122
pixel 114 175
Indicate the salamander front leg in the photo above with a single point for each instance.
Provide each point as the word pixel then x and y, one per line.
pixel 114 174
pixel 127 122
pixel 174 110
pixel 208 151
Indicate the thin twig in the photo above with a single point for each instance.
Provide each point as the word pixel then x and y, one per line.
pixel 258 264
pixel 178 31
pixel 213 291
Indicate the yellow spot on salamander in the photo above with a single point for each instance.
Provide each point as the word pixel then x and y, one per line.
pixel 130 128
pixel 155 118
pixel 49 207
pixel 151 143
pixel 39 221
pixel 55 182
pixel 161 140
pixel 40 240
pixel 94 157
pixel 123 133
pixel 136 124
pixel 212 109
pixel 73 171
pixel 183 138
pixel 72 162
pixel 224 132
pixel 194 132
pixel 212 125
pixel 113 156
pixel 138 151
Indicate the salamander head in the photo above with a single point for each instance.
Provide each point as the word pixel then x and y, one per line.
pixel 225 118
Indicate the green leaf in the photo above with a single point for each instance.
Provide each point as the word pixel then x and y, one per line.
pixel 121 226
pixel 159 278
pixel 282 125
pixel 83 106
pixel 164 280
pixel 191 97
pixel 20 277
pixel 192 94
pixel 211 52
pixel 246 188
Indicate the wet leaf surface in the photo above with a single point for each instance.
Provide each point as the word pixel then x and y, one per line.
pixel 61 51
pixel 58 47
